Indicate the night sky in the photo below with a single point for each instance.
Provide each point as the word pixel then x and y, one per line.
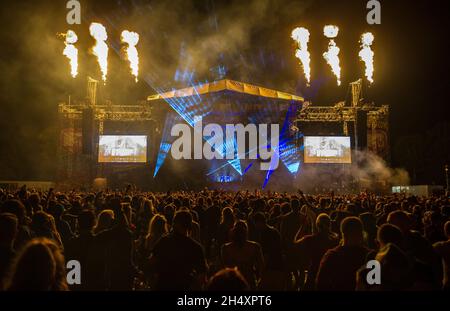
pixel 251 39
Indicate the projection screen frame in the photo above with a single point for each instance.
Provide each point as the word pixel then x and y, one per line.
pixel 141 157
pixel 328 157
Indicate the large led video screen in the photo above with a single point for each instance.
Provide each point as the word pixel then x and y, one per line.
pixel 327 149
pixel 122 149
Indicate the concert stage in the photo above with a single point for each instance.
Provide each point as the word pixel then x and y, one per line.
pixel 83 125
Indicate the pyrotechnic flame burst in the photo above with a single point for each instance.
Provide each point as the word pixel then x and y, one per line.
pixel 132 39
pixel 366 54
pixel 332 55
pixel 301 36
pixel 330 31
pixel 100 49
pixel 71 52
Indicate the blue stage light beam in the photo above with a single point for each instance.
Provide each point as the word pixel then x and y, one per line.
pixel 273 162
pixel 189 107
pixel 289 151
pixel 166 140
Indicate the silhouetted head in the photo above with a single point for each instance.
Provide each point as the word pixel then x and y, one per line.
pixel 285 208
pixel 260 220
pixel 201 201
pixel 127 212
pixel 228 279
pixel 227 216
pixel 447 229
pixel 168 212
pixel 436 218
pixel 239 233
pixel 351 208
pixel 147 207
pixel 276 209
pixel 8 229
pixel 388 233
pixel 259 204
pixel 182 222
pixel 401 220
pixel 86 220
pixel 42 223
pixel 352 231
pixel 105 220
pixel 15 207
pixel 57 210
pixel 38 267
pixel 114 204
pixel 35 200
pixel 157 226
pixel 389 207
pixel 369 222
pixel 323 223
pixel 295 205
pixel 417 209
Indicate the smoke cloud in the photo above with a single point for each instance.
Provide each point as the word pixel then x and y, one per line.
pixel 367 171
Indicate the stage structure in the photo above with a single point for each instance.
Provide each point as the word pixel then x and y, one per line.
pixel 365 123
pixel 230 102
pixel 82 122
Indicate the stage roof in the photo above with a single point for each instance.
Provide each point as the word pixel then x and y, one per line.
pixel 226 85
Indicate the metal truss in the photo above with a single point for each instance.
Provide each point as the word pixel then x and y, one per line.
pixel 338 113
pixel 108 112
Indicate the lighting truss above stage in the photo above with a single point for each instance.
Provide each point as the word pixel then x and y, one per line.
pixel 226 85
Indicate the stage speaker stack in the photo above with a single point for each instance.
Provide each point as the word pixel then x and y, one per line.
pixel 87 130
pixel 361 130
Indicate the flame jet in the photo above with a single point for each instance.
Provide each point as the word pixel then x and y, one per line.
pixel 366 54
pixel 70 51
pixel 132 39
pixel 301 36
pixel 332 55
pixel 100 49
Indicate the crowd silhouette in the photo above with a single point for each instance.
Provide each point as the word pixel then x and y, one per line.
pixel 216 240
